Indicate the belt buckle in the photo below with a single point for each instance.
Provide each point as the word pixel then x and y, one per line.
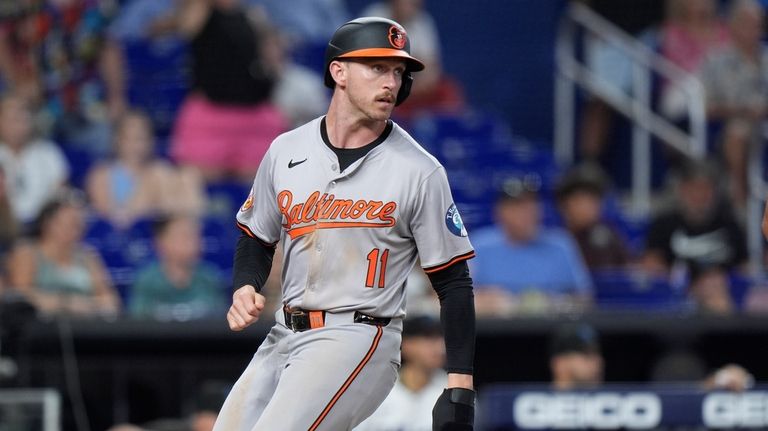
pixel 297 319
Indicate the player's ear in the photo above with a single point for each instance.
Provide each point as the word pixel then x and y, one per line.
pixel 339 72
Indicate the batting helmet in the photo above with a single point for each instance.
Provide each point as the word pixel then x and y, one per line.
pixel 373 37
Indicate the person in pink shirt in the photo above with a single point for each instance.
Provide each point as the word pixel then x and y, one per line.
pixel 691 31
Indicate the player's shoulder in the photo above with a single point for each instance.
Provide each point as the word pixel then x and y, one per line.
pixel 301 135
pixel 410 153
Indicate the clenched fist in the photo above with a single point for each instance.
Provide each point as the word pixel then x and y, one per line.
pixel 246 308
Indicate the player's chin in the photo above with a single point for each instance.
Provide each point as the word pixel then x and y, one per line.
pixel 382 111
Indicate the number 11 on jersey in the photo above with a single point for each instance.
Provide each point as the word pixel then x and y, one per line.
pixel 373 264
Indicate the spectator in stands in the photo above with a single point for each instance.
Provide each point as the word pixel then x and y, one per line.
pixel 580 199
pixel 710 290
pixel 764 224
pixel 692 30
pixel 137 184
pixel 612 66
pixel 179 285
pixel 9 227
pixel 421 380
pixel 433 91
pixel 299 93
pixel 756 300
pixel 150 21
pixel 144 20
pixel 699 232
pixel 576 363
pixel 59 44
pixel 206 402
pixel 736 83
pixel 56 271
pixel 575 358
pixel 226 125
pixel 18 71
pixel 522 265
pixel 305 22
pixel 34 169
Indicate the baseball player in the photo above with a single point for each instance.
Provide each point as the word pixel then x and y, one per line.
pixel 355 201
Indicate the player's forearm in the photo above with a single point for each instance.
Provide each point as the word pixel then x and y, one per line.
pixel 253 263
pixel 457 315
pixel 457 380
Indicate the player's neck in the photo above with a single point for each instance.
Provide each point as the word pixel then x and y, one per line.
pixel 346 130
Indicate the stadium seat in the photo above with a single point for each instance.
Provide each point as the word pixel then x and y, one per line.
pixel 622 290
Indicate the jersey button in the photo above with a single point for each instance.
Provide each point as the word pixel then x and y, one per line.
pixel 334 166
pixel 333 184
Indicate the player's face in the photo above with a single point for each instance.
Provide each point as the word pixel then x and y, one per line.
pixel 373 84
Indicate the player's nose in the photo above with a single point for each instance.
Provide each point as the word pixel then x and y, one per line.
pixel 391 80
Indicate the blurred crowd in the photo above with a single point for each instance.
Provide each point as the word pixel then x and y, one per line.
pixel 130 132
pixel 120 121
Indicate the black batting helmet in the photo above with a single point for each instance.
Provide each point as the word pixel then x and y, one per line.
pixel 373 37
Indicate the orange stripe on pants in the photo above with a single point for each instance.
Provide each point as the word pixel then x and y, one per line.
pixel 350 379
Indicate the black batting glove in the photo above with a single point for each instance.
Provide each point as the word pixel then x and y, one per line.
pixel 454 410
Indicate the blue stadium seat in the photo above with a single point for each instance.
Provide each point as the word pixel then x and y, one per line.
pixel 621 290
pixel 80 162
pixel 479 152
pixel 124 250
pixel 219 239
pixel 225 198
pixel 158 80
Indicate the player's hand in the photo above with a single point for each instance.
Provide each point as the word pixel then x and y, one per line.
pixel 246 308
pixel 454 410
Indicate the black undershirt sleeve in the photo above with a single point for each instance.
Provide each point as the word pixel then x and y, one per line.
pixel 253 262
pixel 457 315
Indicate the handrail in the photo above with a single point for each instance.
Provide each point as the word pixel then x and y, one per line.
pixel 637 106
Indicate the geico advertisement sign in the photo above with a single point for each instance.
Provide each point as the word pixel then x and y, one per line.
pixel 729 410
pixel 605 410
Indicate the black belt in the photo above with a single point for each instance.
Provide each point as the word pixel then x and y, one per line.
pixel 300 320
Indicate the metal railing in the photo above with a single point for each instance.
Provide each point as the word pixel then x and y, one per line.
pixel 579 23
pixel 46 411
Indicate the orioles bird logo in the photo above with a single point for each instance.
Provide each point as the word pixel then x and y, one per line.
pixel 397 37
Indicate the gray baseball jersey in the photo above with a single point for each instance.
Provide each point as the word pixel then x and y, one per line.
pixel 351 238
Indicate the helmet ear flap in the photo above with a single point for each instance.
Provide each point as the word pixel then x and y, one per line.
pixel 405 88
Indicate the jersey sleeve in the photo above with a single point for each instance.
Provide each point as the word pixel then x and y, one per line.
pixel 437 228
pixel 259 216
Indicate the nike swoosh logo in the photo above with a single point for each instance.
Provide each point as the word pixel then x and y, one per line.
pixel 291 163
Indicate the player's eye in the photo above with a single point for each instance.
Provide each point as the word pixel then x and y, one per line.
pixel 377 68
pixel 399 71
